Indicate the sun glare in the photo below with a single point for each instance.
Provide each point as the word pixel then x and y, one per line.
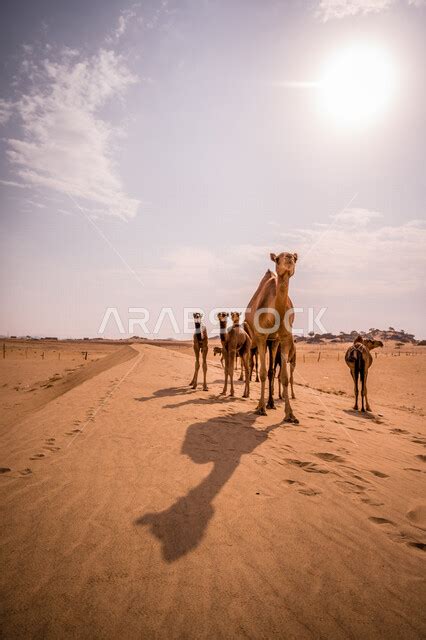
pixel 357 85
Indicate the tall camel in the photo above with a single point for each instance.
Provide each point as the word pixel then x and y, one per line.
pixel 201 343
pixel 359 360
pixel 270 318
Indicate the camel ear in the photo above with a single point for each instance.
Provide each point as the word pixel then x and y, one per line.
pixel 295 257
pixel 273 257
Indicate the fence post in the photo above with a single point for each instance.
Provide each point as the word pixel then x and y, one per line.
pixel 42 355
pixel 4 350
pixel 319 356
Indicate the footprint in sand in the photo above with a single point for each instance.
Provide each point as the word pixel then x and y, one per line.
pixel 417 515
pixel 37 456
pixel 351 487
pixel 50 440
pixel 421 457
pixel 309 492
pixel 417 545
pixel 25 472
pixel 379 474
pixel 371 502
pixel 309 467
pixel 5 469
pixel 378 520
pixel 396 430
pixel 329 457
pixel 51 448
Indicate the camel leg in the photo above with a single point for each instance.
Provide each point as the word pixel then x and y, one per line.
pixel 280 391
pixel 363 390
pixel 256 361
pixel 288 412
pixel 261 348
pixel 355 379
pixel 193 382
pixel 205 387
pixel 367 404
pixel 245 361
pixel 241 368
pixel 292 368
pixel 273 346
pixel 231 362
pixel 225 385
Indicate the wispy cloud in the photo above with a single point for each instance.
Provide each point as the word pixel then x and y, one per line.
pixel 358 255
pixel 6 109
pixel 335 9
pixel 124 19
pixel 64 143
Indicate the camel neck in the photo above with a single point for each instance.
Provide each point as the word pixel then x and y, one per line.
pixel 282 291
pixel 222 325
pixel 198 330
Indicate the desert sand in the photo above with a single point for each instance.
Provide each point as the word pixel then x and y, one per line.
pixel 134 507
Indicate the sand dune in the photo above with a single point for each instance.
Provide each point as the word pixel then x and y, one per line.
pixel 135 507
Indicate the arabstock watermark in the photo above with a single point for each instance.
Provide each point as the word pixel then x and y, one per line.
pixel 142 322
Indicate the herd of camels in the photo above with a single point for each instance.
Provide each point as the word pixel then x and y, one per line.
pixel 267 327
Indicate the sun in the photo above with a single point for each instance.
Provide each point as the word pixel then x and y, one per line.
pixel 357 84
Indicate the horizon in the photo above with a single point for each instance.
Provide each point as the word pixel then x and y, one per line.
pixel 153 157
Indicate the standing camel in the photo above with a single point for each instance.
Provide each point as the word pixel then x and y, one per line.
pixel 235 341
pixel 201 343
pixel 359 360
pixel 270 318
pixel 239 344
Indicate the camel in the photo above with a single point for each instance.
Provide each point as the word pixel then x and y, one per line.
pixel 217 351
pixel 270 318
pixel 235 341
pixel 359 360
pixel 201 343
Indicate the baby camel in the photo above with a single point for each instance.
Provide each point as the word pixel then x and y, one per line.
pixel 201 343
pixel 359 360
pixel 235 341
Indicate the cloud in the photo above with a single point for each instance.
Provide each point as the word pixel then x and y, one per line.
pixel 6 109
pixel 356 216
pixel 125 17
pixel 351 258
pixel 65 145
pixel 335 9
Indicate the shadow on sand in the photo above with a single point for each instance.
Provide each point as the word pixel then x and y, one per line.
pixel 223 441
pixel 367 415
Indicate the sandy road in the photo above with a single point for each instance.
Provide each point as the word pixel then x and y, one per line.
pixel 136 507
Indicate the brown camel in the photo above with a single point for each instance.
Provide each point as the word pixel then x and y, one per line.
pixel 217 351
pixel 270 318
pixel 201 343
pixel 359 360
pixel 235 342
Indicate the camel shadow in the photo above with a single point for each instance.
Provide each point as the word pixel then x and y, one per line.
pixel 168 392
pixel 212 399
pixel 367 415
pixel 222 441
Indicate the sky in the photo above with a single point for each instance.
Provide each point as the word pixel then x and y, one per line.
pixel 154 154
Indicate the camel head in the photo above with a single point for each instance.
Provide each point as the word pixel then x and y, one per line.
pixel 372 344
pixel 197 316
pixel 285 263
pixel 222 316
pixel 235 317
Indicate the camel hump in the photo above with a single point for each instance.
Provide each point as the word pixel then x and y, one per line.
pixel 269 275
